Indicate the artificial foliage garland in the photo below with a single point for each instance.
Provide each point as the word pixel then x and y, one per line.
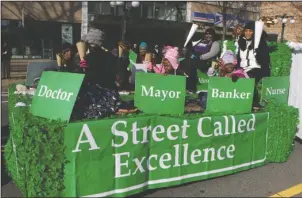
pixel 283 121
pixel 40 145
pixel 35 155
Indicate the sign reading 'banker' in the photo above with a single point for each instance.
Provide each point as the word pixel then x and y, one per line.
pixel 156 93
pixel 226 96
pixel 56 95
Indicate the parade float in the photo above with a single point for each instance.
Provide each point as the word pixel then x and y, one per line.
pixel 162 145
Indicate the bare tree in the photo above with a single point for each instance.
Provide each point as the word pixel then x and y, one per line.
pixel 232 7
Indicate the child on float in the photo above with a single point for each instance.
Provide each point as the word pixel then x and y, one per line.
pixel 169 63
pixel 144 57
pixel 227 67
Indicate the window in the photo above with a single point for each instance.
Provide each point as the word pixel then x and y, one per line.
pixel 147 10
pixel 163 10
pixel 170 11
pixel 92 7
pixel 105 8
pixel 102 8
pixel 119 10
pixel 159 12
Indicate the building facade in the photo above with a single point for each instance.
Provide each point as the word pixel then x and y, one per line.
pixel 152 22
pixel 292 31
pixel 38 29
pixel 209 14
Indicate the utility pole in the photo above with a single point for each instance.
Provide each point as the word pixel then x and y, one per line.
pixel 124 23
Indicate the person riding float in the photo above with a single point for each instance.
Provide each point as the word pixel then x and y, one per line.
pixel 98 96
pixel 254 61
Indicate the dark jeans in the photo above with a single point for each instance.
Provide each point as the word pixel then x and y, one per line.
pixel 255 73
pixel 192 80
pixel 203 99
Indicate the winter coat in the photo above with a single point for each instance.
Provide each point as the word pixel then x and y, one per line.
pixel 256 63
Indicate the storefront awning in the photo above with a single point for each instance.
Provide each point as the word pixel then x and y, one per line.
pixel 216 19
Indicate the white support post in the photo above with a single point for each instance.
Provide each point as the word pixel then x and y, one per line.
pixel 84 27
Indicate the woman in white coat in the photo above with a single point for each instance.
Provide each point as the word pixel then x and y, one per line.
pixel 255 62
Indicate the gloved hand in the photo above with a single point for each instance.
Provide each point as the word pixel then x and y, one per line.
pixel 256 52
pixel 83 64
pixel 257 55
pixel 234 77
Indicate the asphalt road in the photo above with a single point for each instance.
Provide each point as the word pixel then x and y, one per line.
pixel 259 182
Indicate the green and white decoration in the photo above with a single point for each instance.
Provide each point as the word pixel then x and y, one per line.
pixel 126 154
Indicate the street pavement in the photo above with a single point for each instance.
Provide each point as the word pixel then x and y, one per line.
pixel 259 182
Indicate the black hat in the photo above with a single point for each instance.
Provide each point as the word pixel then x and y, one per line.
pixel 66 47
pixel 212 32
pixel 250 26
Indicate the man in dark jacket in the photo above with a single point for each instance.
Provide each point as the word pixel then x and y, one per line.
pixel 5 60
pixel 123 62
pixel 188 69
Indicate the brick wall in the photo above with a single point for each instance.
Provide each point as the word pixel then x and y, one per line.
pixel 61 11
pixel 293 32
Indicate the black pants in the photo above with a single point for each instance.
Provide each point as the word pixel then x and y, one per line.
pixel 202 65
pixel 256 73
pixel 192 79
pixel 5 65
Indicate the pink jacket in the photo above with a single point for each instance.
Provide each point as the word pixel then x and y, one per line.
pixel 240 73
pixel 159 70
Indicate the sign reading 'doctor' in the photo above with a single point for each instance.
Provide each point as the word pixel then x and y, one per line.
pixel 226 96
pixel 56 95
pixel 156 93
pixel 275 89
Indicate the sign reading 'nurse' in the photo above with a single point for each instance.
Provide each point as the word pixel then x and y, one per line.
pixel 56 95
pixel 275 89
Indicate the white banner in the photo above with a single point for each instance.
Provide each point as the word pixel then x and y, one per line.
pixel 67 32
pixel 84 28
pixel 295 90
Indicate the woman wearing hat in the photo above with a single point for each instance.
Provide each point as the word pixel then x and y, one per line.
pixel 254 62
pixel 205 52
pixel 100 65
pixel 143 48
pixel 98 96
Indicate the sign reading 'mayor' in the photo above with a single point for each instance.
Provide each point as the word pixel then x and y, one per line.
pixel 155 93
pixel 56 95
